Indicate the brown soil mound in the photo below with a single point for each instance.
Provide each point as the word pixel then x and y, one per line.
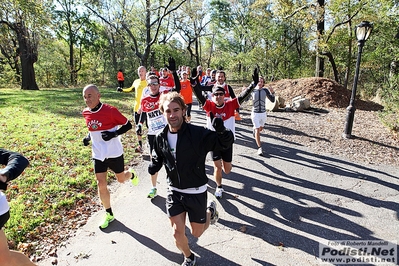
pixel 321 92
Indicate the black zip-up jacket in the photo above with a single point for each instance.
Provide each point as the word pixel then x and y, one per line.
pixel 193 144
pixel 14 163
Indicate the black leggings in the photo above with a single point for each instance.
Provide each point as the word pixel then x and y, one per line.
pixel 4 218
pixel 188 112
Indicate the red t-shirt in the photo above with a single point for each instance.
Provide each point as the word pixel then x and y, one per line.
pixel 167 82
pixel 120 76
pixel 186 91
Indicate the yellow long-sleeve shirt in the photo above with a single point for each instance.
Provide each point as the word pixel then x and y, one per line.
pixel 138 85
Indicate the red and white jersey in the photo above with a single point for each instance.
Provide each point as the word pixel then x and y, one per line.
pixel 227 95
pixel 155 119
pixel 106 118
pixel 226 112
pixel 147 92
pixel 167 82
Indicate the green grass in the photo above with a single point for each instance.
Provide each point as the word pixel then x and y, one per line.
pixel 47 127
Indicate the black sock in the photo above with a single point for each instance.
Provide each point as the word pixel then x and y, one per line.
pixel 220 186
pixel 140 144
pixel 133 175
pixel 212 210
pixel 109 210
pixel 191 257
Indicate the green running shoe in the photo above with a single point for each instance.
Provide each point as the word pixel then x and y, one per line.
pixel 108 218
pixel 135 177
pixel 153 193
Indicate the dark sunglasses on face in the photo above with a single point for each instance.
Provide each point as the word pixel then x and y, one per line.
pixel 218 94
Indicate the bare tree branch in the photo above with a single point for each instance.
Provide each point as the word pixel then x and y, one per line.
pixel 134 46
pixel 341 23
pixel 299 10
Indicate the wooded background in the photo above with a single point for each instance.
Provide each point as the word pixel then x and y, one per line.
pixel 69 43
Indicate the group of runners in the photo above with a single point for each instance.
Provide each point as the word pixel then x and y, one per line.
pixel 163 103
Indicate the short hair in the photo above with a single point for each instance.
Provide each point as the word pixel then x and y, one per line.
pixel 141 67
pixel 221 71
pixel 91 86
pixel 172 96
pixel 153 77
pixel 151 73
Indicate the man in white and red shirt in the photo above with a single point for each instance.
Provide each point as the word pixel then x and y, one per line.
pixel 223 108
pixel 105 124
pixel 166 79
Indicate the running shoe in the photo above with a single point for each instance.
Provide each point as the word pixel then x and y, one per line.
pixel 260 151
pixel 139 149
pixel 190 262
pixel 214 213
pixel 237 116
pixel 153 193
pixel 135 177
pixel 219 193
pixel 108 218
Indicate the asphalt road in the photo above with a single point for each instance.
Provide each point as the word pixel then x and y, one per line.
pixel 276 210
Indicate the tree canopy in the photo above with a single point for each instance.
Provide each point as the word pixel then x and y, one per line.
pixel 88 41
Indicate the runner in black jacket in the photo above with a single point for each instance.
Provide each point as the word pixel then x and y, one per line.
pixel 15 164
pixel 183 148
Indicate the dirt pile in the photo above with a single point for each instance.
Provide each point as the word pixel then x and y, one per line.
pixel 322 93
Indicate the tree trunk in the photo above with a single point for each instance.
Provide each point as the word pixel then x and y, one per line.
pixel 210 51
pixel 319 66
pixel 333 65
pixel 349 59
pixel 320 32
pixel 71 63
pixel 28 55
pixel 17 68
pixel 197 53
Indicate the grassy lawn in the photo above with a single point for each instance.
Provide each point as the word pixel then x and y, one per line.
pixel 47 127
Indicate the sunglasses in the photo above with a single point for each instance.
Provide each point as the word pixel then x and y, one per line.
pixel 153 84
pixel 218 94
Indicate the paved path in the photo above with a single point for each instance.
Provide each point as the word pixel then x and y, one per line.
pixel 276 211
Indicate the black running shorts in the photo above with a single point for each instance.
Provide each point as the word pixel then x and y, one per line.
pixel 194 204
pixel 115 164
pixel 225 155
